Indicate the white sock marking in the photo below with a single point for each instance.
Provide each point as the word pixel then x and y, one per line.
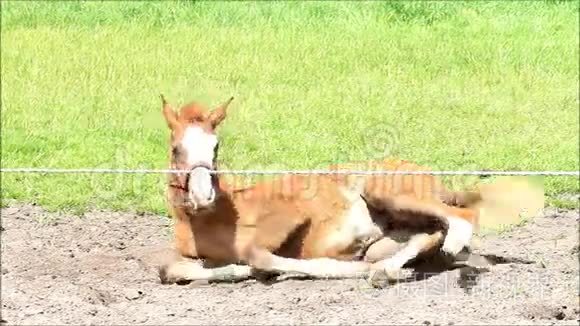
pixel 193 270
pixel 319 267
pixel 458 235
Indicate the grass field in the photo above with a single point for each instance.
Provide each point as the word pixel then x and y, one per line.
pixel 478 85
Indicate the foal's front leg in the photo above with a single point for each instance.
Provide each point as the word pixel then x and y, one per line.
pixel 187 269
pixel 325 268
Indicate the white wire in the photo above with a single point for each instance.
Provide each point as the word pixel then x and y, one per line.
pixel 301 172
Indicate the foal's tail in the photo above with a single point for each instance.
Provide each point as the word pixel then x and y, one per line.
pixel 505 201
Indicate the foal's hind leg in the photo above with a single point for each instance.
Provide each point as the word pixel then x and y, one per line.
pixel 386 247
pixel 332 241
pixel 390 268
pixel 460 221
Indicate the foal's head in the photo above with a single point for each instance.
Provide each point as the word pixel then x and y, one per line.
pixel 194 145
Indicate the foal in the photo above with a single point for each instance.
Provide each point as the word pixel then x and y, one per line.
pixel 318 226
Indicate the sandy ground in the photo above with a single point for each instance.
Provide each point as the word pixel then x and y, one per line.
pixel 101 269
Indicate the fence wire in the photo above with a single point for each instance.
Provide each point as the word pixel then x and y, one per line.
pixel 296 172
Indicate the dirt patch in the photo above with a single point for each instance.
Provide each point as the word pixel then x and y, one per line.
pixel 102 269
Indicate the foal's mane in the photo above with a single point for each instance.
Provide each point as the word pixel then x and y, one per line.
pixel 193 112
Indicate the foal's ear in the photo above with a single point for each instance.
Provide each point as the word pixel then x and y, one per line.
pixel 219 114
pixel 169 114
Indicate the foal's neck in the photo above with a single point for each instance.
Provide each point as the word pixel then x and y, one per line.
pixel 222 208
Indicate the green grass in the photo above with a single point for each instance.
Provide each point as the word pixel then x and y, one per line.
pixel 477 85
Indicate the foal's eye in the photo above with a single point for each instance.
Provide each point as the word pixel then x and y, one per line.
pixel 175 151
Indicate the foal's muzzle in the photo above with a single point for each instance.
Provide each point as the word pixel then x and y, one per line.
pixel 200 186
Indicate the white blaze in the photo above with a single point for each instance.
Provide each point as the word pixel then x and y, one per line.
pixel 199 146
